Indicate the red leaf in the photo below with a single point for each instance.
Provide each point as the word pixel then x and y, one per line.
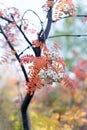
pixel 1 14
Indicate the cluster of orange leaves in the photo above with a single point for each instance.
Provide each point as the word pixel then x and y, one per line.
pixel 42 62
pixel 69 83
pixel 38 64
pixel 62 7
pixel 81 69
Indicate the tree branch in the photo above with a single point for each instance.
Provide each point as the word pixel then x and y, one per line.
pixel 28 96
pixel 43 35
pixel 69 16
pixel 66 35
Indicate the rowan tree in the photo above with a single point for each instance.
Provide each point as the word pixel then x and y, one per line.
pixel 45 67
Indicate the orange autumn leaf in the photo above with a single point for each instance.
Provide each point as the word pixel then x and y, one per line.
pixel 1 13
pixel 68 82
pixel 81 69
pixel 64 7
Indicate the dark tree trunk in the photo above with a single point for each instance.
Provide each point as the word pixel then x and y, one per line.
pixel 25 104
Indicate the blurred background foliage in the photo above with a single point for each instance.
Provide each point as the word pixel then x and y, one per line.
pixel 51 108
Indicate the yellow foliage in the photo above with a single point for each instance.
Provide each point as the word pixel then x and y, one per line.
pixel 43 122
pixel 58 115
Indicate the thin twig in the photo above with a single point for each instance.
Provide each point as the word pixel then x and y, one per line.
pixel 66 35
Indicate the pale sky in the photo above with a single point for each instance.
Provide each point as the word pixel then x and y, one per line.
pixel 23 4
